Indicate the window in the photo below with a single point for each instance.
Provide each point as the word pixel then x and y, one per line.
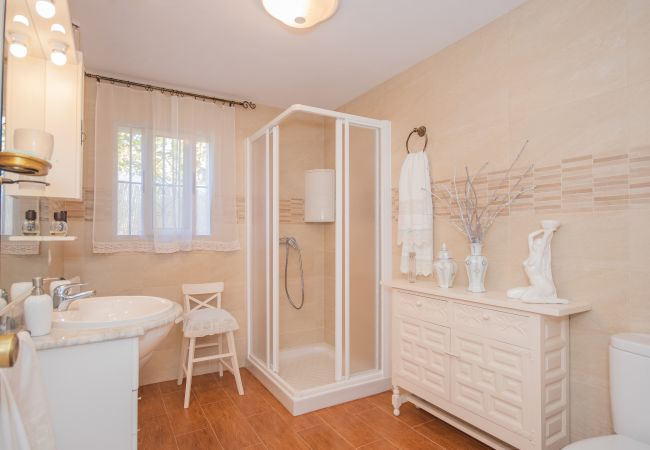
pixel 129 182
pixel 164 173
pixel 180 172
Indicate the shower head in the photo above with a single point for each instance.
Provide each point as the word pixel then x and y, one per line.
pixel 290 240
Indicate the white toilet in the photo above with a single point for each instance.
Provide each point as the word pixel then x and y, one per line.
pixel 629 373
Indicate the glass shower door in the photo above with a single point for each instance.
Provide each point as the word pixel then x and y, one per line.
pixel 258 259
pixel 363 248
pixel 262 238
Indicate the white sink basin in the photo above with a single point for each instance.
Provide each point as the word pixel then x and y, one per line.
pixel 110 312
pixel 122 311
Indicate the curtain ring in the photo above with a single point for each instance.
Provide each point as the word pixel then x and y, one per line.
pixel 421 131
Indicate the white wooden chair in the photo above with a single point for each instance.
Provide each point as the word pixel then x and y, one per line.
pixel 203 319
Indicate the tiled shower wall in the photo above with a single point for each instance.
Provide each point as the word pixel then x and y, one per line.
pixel 571 77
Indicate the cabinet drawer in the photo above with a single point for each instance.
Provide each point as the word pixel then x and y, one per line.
pixel 420 307
pixel 502 326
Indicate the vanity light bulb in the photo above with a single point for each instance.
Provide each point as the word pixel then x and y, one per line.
pixel 17 48
pixel 58 57
pixel 45 8
pixel 57 28
pixel 19 18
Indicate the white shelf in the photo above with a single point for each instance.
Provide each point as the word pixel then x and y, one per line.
pixel 42 238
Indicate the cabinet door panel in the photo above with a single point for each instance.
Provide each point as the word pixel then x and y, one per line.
pixel 422 354
pixel 488 378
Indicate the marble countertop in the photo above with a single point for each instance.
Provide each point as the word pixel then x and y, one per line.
pixel 490 298
pixel 60 337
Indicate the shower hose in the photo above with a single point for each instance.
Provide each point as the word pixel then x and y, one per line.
pixel 291 242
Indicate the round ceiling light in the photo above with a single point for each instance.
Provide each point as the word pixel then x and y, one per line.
pixel 301 13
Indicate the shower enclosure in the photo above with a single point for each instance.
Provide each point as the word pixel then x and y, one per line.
pixel 318 187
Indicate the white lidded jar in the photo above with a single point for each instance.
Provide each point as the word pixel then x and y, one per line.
pixel 445 268
pixel 38 310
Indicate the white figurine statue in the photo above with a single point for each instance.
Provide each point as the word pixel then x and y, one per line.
pixel 538 268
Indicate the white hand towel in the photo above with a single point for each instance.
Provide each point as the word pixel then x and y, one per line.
pixel 24 412
pixel 415 220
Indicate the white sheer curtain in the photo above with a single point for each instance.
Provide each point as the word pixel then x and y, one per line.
pixel 164 173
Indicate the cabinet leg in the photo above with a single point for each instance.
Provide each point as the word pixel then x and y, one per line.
pixel 397 400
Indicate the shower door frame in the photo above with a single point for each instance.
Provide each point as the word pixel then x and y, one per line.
pixel 378 378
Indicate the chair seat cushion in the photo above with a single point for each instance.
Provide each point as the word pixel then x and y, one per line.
pixel 208 321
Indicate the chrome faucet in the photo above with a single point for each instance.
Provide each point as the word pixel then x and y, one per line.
pixel 62 297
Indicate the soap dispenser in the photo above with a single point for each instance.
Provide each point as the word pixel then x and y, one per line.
pixel 38 310
pixel 445 268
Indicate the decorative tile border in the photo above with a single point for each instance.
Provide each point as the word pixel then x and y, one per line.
pixel 582 184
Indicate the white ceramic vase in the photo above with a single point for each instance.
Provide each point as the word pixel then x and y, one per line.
pixel 476 265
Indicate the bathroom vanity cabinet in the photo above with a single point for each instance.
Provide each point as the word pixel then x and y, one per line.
pixel 92 393
pixel 495 368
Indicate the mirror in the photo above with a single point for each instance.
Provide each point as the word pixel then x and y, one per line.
pixel 27 38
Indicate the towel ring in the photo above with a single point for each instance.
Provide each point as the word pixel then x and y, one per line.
pixel 421 131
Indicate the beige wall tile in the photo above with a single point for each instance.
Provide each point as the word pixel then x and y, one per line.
pixel 572 78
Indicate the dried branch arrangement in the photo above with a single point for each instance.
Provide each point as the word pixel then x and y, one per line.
pixel 472 217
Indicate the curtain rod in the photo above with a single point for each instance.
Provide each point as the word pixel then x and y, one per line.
pixel 149 87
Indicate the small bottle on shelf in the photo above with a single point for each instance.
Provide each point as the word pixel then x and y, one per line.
pixel 30 225
pixel 59 226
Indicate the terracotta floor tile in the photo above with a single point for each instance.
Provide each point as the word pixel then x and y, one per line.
pixel 219 418
pixel 170 386
pixel 208 379
pixel 149 389
pixel 296 423
pixel 209 394
pixel 248 378
pixel 449 437
pixel 351 427
pixel 155 433
pixel 273 432
pixel 356 406
pixel 252 402
pixel 150 404
pixel 381 444
pixel 396 431
pixel 301 422
pixel 409 414
pixel 183 420
pixel 198 440
pixel 229 425
pixel 228 382
pixel 323 437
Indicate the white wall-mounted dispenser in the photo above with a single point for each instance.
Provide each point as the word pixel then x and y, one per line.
pixel 319 195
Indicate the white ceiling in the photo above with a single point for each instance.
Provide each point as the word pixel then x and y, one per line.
pixel 233 47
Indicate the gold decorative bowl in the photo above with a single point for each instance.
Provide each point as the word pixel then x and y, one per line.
pixel 24 164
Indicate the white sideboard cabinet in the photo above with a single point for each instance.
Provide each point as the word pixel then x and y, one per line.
pixel 496 368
